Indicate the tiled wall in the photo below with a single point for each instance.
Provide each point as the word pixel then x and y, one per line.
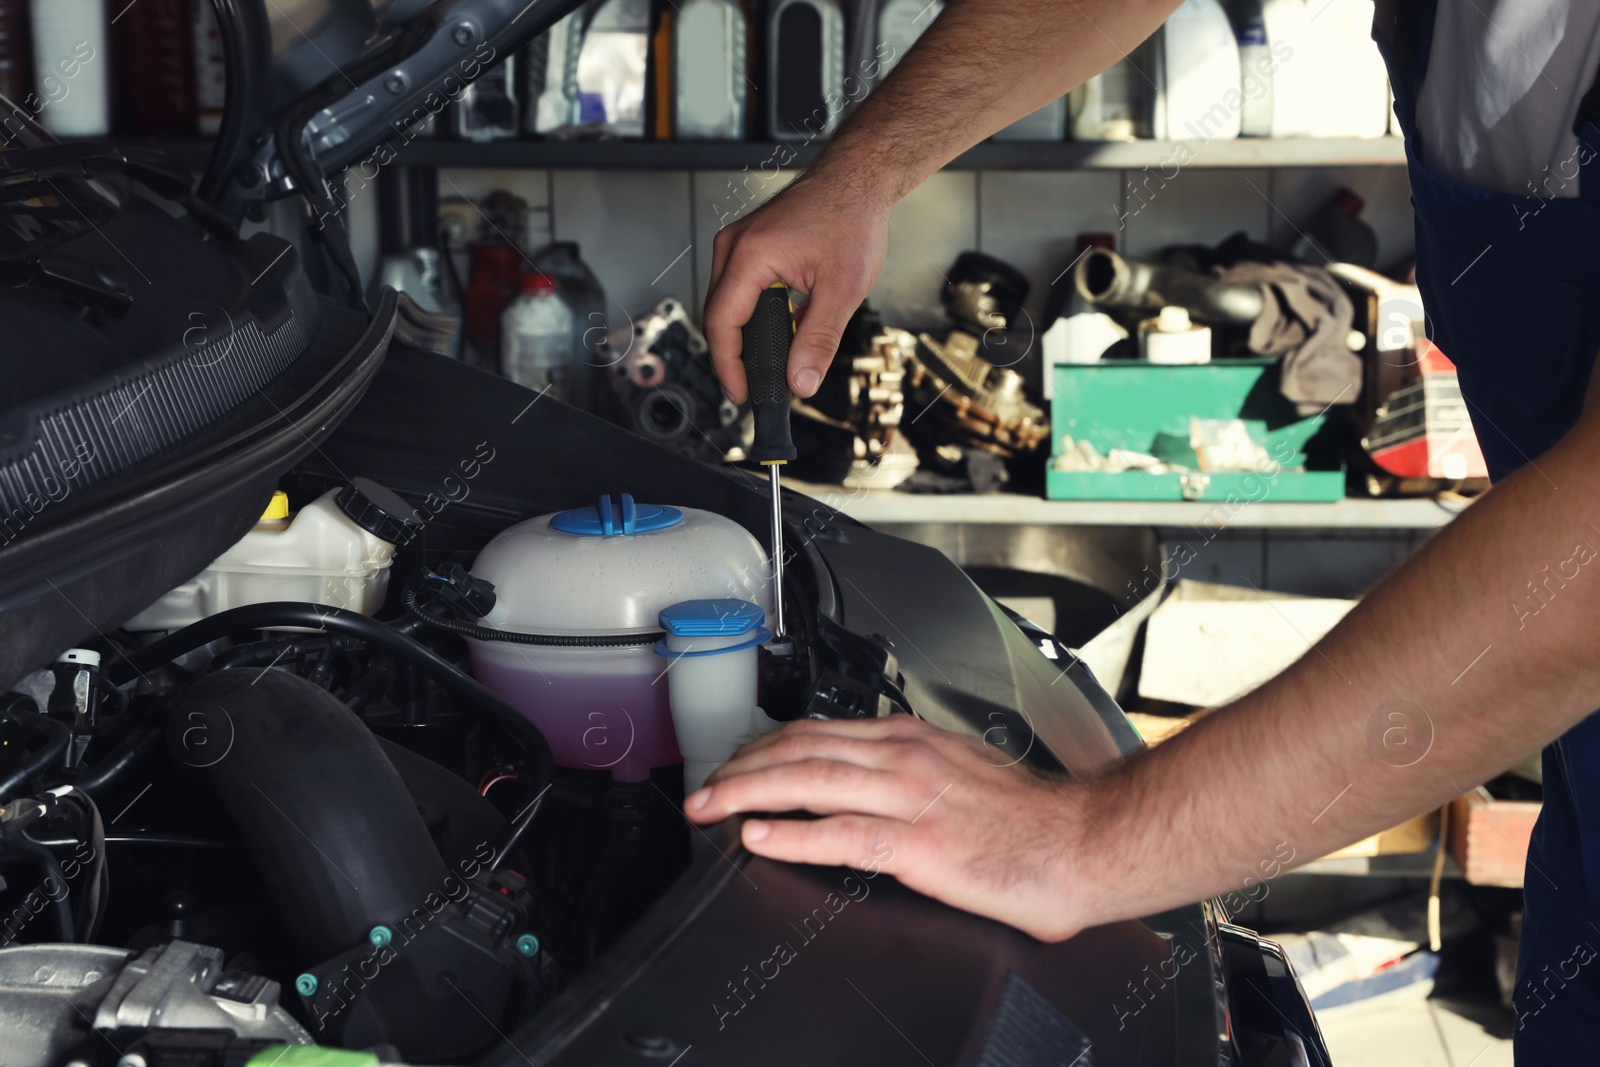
pixel 648 234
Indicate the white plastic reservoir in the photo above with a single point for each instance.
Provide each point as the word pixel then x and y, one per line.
pixel 712 679
pixel 335 551
pixel 598 572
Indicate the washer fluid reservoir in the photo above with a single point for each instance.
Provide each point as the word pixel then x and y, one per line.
pixel 596 577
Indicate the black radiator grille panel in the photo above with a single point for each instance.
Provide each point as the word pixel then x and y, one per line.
pixel 92 437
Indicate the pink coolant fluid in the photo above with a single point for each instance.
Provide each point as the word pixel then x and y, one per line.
pixel 600 709
pixel 603 572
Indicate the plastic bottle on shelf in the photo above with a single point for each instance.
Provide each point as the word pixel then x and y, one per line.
pixel 588 72
pixel 1197 79
pixel 1171 338
pixel 805 69
pixel 1256 69
pixel 1048 123
pixel 708 65
pixel 487 109
pixel 1347 59
pixel 900 23
pixel 580 289
pixel 1111 105
pixel 70 67
pixel 1082 334
pixel 210 69
pixel 551 62
pixel 1295 76
pixel 494 283
pixel 536 348
pixel 1318 46
pixel 1335 232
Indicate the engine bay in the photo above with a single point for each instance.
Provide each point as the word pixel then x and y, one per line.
pixel 335 785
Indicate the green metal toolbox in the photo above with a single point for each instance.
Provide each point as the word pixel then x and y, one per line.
pixel 1130 404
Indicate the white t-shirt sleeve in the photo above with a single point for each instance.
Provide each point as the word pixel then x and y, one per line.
pixel 1503 83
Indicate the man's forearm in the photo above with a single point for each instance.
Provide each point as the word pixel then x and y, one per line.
pixel 982 65
pixel 1478 651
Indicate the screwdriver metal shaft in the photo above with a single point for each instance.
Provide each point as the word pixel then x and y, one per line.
pixel 779 630
pixel 766 368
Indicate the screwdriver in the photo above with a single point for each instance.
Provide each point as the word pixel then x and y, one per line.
pixel 766 370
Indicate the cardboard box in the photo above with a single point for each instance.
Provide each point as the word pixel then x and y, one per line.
pixel 1207 644
pixel 1413 835
pixel 1489 838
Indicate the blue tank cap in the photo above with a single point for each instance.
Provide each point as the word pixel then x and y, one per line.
pixel 609 518
pixel 711 618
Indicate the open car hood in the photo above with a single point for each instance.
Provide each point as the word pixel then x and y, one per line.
pixel 334 82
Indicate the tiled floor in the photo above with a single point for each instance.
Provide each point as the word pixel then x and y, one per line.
pixel 1423 1033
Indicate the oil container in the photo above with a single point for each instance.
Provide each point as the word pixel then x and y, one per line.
pixel 708 64
pixel 592 583
pixel 805 67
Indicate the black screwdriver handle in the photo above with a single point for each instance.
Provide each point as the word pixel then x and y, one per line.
pixel 766 371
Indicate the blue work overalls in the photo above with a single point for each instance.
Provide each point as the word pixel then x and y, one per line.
pixel 1511 287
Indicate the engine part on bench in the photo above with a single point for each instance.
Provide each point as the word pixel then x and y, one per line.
pixel 983 293
pixel 1108 280
pixel 60 1000
pixel 970 401
pixel 669 390
pixel 855 416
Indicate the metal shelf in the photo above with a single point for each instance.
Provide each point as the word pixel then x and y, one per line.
pixel 1161 156
pixel 1401 865
pixel 1002 155
pixel 877 507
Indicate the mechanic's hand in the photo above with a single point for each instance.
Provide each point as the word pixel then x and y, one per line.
pixel 821 237
pixel 947 815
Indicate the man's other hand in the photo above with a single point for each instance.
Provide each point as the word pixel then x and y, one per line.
pixel 945 814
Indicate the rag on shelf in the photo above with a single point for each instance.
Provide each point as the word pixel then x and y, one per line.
pixel 1306 319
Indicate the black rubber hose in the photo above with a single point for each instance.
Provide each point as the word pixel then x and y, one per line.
pixel 141 743
pixel 61 906
pixel 281 649
pixel 377 635
pixel 369 687
pixel 57 736
pixel 330 824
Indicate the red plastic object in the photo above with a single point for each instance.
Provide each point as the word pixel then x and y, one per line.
pixel 495 280
pixel 1423 429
